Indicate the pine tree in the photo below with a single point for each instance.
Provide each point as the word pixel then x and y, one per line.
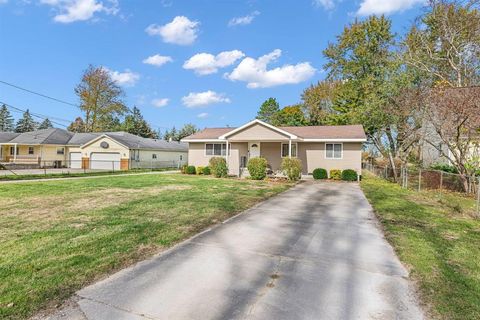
pixel 135 124
pixel 26 123
pixel 46 124
pixel 6 120
pixel 268 110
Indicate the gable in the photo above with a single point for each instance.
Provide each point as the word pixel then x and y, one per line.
pixel 96 145
pixel 257 132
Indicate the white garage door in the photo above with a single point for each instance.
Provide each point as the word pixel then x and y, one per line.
pixel 105 161
pixel 76 160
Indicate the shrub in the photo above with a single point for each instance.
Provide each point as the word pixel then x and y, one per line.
pixel 183 169
pixel 191 170
pixel 218 166
pixel 206 171
pixel 336 174
pixel 200 170
pixel 257 167
pixel 349 175
pixel 444 167
pixel 292 168
pixel 320 173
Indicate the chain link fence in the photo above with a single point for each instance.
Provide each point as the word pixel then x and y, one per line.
pixel 54 167
pixel 427 179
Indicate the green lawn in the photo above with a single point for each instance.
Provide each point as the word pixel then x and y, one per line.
pixel 438 237
pixel 57 236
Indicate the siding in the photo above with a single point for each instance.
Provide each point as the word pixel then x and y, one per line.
pixel 197 157
pixel 313 156
pixel 272 152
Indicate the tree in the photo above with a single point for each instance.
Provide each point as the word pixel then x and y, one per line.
pixel 171 135
pixel 134 123
pixel 100 100
pixel 26 123
pixel 46 124
pixel 77 126
pixel 290 116
pixel 268 110
pixel 6 120
pixel 444 44
pixel 364 61
pixel 317 101
pixel 454 115
pixel 185 131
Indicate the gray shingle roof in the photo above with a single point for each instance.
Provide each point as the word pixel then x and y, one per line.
pixel 63 137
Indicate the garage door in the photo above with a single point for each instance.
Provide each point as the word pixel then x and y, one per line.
pixel 75 160
pixel 105 161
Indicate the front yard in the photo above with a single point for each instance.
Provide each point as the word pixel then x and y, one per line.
pixel 437 236
pixel 57 236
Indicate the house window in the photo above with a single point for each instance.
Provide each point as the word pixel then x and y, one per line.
pixel 216 149
pixel 154 156
pixel 285 150
pixel 60 150
pixel 333 151
pixel 12 151
pixel 30 150
pixel 181 157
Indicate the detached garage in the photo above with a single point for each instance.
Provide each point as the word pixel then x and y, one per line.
pixel 105 161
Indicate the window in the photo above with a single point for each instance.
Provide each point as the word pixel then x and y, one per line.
pixel 12 151
pixel 60 150
pixel 30 150
pixel 154 156
pixel 333 151
pixel 216 149
pixel 285 150
pixel 181 157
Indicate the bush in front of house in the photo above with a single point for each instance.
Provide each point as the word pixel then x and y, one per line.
pixel 218 166
pixel 292 168
pixel 199 170
pixel 191 170
pixel 206 171
pixel 183 169
pixel 257 167
pixel 320 173
pixel 336 174
pixel 349 175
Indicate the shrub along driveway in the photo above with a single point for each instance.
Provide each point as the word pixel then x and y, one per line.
pixel 314 252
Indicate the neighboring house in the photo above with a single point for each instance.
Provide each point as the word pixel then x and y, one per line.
pixel 104 150
pixel 328 147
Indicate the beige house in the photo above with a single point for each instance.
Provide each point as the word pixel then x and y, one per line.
pixel 104 151
pixel 328 147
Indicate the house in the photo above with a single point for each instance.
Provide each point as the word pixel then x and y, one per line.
pixel 104 150
pixel 328 147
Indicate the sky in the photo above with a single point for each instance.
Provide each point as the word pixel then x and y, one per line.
pixel 210 63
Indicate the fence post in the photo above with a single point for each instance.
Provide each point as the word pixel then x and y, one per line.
pixel 441 180
pixel 113 166
pixel 406 177
pixel 44 168
pixel 478 197
pixel 419 180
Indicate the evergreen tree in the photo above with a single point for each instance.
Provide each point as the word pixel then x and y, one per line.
pixel 135 124
pixel 187 130
pixel 46 124
pixel 26 123
pixel 6 120
pixel 268 110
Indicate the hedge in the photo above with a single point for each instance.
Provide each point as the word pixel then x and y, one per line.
pixel 336 174
pixel 191 170
pixel 218 166
pixel 257 167
pixel 349 175
pixel 292 168
pixel 320 173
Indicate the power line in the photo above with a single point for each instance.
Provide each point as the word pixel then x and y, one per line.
pixel 38 94
pixel 37 115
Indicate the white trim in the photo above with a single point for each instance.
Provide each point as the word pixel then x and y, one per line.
pixel 292 156
pixel 101 137
pixel 334 140
pixel 256 121
pixel 204 140
pixel 334 143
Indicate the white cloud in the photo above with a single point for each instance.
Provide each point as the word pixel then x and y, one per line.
pixel 326 4
pixel 255 73
pixel 80 10
pixel 206 63
pixel 202 115
pixel 157 60
pixel 161 102
pixel 369 7
pixel 126 78
pixel 180 31
pixel 243 20
pixel 201 99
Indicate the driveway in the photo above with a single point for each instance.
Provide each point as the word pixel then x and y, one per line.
pixel 313 252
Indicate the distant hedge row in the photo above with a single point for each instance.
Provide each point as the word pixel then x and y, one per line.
pixel 345 175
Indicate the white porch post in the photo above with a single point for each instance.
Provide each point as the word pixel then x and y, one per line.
pixel 289 148
pixel 226 154
pixel 15 152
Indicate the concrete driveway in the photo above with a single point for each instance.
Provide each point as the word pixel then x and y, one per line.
pixel 314 252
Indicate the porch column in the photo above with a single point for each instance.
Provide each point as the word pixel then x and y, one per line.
pixel 15 152
pixel 289 148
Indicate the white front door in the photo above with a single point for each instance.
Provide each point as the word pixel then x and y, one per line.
pixel 254 149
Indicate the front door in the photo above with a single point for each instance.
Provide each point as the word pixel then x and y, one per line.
pixel 254 149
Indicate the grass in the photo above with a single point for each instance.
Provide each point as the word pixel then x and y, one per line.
pixel 58 236
pixel 67 174
pixel 438 237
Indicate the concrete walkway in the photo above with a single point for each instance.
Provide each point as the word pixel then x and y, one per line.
pixel 314 252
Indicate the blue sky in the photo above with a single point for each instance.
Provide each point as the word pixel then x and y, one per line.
pixel 211 63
